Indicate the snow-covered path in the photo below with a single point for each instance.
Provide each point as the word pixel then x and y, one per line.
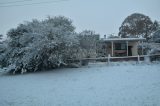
pixel 94 85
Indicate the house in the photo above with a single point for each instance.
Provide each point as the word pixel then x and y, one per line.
pixel 118 47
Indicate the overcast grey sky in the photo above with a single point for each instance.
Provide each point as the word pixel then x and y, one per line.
pixel 102 16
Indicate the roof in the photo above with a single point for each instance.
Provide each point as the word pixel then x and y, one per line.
pixel 123 39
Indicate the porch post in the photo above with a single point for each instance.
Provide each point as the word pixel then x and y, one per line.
pixel 112 48
pixel 127 47
pixel 142 47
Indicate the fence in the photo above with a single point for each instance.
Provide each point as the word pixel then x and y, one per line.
pixel 108 59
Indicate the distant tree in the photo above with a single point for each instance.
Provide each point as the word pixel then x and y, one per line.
pixel 2 50
pixel 156 25
pixel 88 41
pixel 137 25
pixel 1 37
pixel 1 44
pixel 156 36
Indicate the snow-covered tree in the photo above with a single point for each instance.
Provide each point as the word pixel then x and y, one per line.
pixel 156 25
pixel 137 25
pixel 1 37
pixel 156 36
pixel 41 45
pixel 3 48
pixel 1 44
pixel 88 42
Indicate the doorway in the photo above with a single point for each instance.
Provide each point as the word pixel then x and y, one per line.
pixel 129 50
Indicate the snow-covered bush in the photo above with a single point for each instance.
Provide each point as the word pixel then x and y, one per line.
pixel 151 49
pixel 41 45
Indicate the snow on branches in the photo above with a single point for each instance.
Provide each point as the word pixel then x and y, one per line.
pixel 40 45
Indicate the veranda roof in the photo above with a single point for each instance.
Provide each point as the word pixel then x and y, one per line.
pixel 122 39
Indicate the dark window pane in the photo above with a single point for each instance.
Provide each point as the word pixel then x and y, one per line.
pixel 120 46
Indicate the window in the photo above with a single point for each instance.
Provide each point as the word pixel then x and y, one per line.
pixel 123 46
pixel 120 46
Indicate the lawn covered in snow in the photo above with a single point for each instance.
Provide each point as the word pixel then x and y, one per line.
pixel 98 84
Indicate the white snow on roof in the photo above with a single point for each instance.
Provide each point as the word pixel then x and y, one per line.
pixel 123 39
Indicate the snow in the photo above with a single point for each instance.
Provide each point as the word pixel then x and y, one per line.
pixel 127 24
pixel 123 39
pixel 98 84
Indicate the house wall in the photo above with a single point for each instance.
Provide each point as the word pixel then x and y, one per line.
pixel 134 48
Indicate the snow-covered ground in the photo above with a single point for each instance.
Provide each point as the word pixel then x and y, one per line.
pixel 98 84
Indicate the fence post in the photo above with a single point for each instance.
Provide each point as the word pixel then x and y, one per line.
pixel 138 59
pixel 109 58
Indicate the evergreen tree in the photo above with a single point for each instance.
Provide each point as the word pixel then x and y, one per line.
pixel 137 25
